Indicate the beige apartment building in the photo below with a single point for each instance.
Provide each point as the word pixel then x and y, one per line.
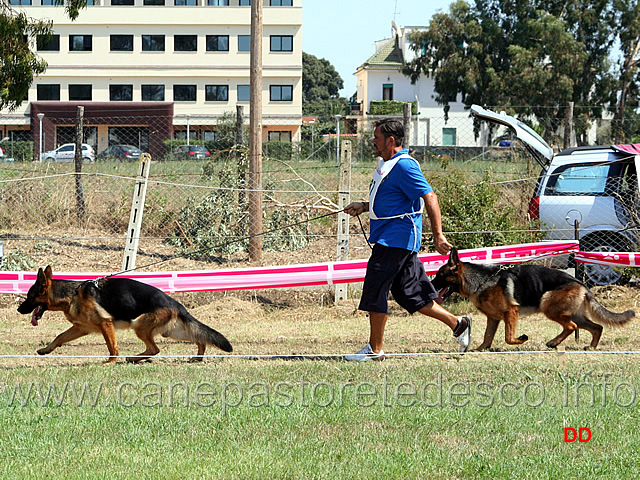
pixel 148 70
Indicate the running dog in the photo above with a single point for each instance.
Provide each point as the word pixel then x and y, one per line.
pixel 105 304
pixel 504 292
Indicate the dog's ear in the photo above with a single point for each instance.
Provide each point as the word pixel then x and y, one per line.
pixel 453 258
pixel 41 278
pixel 48 274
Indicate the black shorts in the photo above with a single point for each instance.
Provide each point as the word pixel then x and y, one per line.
pixel 399 271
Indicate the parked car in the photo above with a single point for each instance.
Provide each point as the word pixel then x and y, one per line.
pixel 191 152
pixel 67 153
pixel 592 188
pixel 120 152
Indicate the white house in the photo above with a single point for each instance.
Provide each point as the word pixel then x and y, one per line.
pixel 380 78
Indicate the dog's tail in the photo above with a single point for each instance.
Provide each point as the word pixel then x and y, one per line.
pixel 599 314
pixel 195 331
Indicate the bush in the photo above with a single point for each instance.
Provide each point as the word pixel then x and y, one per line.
pixel 390 107
pixel 480 215
pixel 19 151
pixel 278 150
pixel 16 261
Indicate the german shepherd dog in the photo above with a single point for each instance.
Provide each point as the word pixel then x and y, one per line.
pixel 103 305
pixel 502 293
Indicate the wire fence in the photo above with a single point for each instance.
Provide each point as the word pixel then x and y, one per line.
pixel 196 206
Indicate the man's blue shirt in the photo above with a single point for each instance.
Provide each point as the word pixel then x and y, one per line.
pixel 400 193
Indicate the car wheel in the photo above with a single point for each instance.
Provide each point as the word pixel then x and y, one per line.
pixel 598 275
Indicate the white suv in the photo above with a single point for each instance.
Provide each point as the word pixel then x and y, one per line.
pixel 67 153
pixel 589 190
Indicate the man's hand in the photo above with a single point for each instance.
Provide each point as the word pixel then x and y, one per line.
pixel 356 208
pixel 441 244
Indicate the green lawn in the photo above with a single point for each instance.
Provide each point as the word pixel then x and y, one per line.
pixel 495 416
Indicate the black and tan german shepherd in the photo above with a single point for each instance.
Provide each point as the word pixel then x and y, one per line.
pixel 103 305
pixel 503 293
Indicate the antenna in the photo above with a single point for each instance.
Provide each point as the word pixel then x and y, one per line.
pixel 395 11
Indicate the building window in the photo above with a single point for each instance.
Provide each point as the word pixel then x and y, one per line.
pixel 209 135
pixel 281 93
pixel 80 43
pixel 184 93
pixel 282 43
pixel 216 93
pixel 153 2
pixel 153 43
pixel 48 43
pixel 244 94
pixel 185 43
pixel 121 43
pixel 281 3
pixel 218 3
pixel 20 2
pixel 153 93
pixel 244 43
pixel 448 136
pixel 79 92
pixel 121 93
pixel 186 3
pixel 387 91
pixel 284 136
pixel 121 2
pixel 217 43
pixel 48 92
pixel 46 2
pixel 245 3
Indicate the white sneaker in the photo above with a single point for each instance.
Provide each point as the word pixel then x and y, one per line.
pixel 365 354
pixel 464 339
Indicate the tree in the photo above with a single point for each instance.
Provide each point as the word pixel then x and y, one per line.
pixel 18 62
pixel 536 56
pixel 321 85
pixel 320 81
pixel 625 96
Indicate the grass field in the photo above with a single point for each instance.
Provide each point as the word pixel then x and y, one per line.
pixel 501 414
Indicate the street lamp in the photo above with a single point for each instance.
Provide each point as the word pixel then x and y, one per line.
pixel 188 133
pixel 40 117
pixel 313 129
pixel 338 117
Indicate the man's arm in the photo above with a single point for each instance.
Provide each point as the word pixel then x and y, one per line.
pixel 433 210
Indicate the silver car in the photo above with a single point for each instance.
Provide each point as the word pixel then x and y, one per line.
pixel 591 191
pixel 67 153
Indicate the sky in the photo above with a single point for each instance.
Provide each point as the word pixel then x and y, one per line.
pixel 344 32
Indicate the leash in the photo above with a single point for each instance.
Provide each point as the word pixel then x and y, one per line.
pixel 364 234
pixel 224 244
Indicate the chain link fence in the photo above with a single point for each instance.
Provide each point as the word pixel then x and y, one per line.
pixel 196 208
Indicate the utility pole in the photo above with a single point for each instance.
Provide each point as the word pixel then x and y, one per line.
pixel 255 141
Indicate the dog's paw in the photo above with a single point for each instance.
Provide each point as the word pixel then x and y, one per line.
pixel 523 338
pixel 43 351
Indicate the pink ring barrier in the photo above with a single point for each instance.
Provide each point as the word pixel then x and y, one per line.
pixel 306 275
pixel 619 259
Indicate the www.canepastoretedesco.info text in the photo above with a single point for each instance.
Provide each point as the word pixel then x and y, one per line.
pixel 603 389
